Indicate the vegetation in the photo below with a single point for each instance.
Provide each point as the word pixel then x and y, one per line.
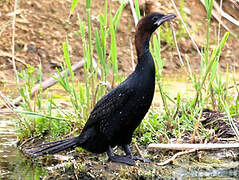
pixel 43 116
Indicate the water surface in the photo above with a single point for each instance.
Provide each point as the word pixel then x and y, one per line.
pixel 14 165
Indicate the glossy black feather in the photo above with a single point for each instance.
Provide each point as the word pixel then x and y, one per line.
pixel 118 113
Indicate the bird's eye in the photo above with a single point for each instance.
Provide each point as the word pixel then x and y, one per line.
pixel 155 18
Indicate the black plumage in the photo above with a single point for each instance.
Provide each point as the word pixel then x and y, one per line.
pixel 118 113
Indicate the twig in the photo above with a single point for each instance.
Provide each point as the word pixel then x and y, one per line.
pixel 96 67
pixel 13 42
pixel 2 53
pixel 235 3
pixel 132 54
pixel 49 82
pixel 230 87
pixel 219 20
pixel 164 48
pixel 175 41
pixel 138 150
pixel 224 14
pixel 223 24
pixel 175 156
pixel 191 146
pixel 219 26
pixel 179 15
pixel 8 104
pixel 133 12
pixel 228 139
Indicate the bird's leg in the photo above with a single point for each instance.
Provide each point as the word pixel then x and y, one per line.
pixel 129 154
pixel 119 159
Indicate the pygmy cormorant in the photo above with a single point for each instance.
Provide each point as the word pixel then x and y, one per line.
pixel 119 112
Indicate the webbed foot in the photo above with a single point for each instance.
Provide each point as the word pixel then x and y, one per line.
pixel 129 154
pixel 140 159
pixel 122 159
pixel 119 159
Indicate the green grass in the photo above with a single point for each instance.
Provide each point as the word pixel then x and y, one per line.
pixel 181 114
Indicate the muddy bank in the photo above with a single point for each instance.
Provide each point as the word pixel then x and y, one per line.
pixel 41 27
pixel 82 165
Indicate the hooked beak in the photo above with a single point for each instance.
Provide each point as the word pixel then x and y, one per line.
pixel 165 18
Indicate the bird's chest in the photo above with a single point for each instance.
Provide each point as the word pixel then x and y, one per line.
pixel 141 101
pixel 144 89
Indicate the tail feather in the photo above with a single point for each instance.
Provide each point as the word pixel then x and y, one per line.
pixel 60 145
pixel 48 143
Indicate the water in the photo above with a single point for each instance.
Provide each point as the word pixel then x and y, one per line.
pixel 7 145
pixel 14 165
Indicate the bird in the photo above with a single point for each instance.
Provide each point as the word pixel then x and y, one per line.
pixel 120 111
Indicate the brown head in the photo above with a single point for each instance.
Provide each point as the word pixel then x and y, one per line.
pixel 146 26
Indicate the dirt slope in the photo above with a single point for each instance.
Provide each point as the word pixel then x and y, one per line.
pixel 42 26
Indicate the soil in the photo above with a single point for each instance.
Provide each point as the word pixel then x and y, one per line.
pixel 42 27
pixel 82 165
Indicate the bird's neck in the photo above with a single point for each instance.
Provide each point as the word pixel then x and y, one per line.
pixel 146 62
pixel 145 59
pixel 142 42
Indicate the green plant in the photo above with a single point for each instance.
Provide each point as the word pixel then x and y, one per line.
pixel 181 115
pixel 83 96
pixel 29 80
pixel 211 91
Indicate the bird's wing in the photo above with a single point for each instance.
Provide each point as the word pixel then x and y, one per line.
pixel 108 105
